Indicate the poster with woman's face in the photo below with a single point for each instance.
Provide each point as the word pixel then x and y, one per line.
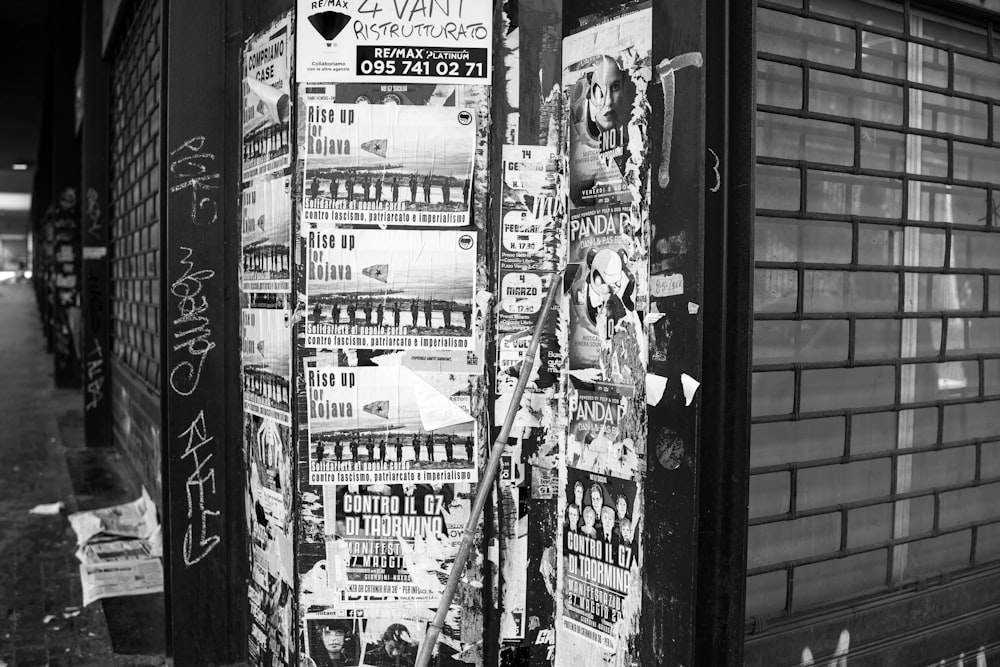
pixel 335 642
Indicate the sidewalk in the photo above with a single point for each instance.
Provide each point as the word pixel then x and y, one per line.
pixel 39 578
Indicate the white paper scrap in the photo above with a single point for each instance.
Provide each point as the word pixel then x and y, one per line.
pixel 48 508
pixel 690 387
pixel 655 385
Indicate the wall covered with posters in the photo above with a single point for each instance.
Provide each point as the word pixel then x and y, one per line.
pixel 266 350
pixel 418 177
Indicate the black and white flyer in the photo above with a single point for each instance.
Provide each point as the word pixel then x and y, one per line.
pixel 386 164
pixel 267 106
pixel 600 527
pixel 390 289
pixel 267 362
pixel 602 66
pixel 267 234
pixel 393 539
pixel 404 40
pixel 390 425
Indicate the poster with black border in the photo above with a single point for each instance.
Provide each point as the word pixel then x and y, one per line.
pixel 385 164
pixel 604 290
pixel 267 104
pixel 602 67
pixel 266 237
pixel 393 539
pixel 266 356
pixel 404 40
pixel 601 525
pixel 390 289
pixel 389 425
pixel 382 636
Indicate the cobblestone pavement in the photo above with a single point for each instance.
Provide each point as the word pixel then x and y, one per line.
pixel 39 579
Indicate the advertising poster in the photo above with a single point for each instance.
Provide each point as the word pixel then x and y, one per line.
pixel 603 292
pixel 379 637
pixel 595 415
pixel 267 234
pixel 390 289
pixel 267 361
pixel 390 425
pixel 404 40
pixel 602 66
pixel 599 527
pixel 532 227
pixel 268 445
pixel 386 164
pixel 267 61
pixel 533 209
pixel 394 539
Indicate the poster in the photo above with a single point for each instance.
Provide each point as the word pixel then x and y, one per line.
pixel 267 444
pixel 532 226
pixel 377 637
pixel 603 65
pixel 599 526
pixel 267 60
pixel 266 357
pixel 595 415
pixel 390 289
pixel 404 40
pixel 267 234
pixel 386 164
pixel 394 539
pixel 603 292
pixel 390 425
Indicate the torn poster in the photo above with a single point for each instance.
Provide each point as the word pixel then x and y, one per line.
pixel 393 539
pixel 595 415
pixel 603 65
pixel 267 362
pixel 533 214
pixel 400 40
pixel 603 293
pixel 399 289
pixel 386 164
pixel 267 447
pixel 266 237
pixel 379 637
pixel 390 425
pixel 600 523
pixel 267 103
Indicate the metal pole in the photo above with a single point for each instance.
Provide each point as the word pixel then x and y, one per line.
pixel 486 484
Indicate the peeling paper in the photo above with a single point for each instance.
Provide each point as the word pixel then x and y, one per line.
pixel 436 410
pixel 653 318
pixel 690 387
pixel 655 386
pixel 693 308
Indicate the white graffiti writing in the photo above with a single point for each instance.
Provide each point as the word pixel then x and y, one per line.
pixel 192 329
pixel 666 70
pixel 95 375
pixel 191 169
pixel 715 171
pixel 199 540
